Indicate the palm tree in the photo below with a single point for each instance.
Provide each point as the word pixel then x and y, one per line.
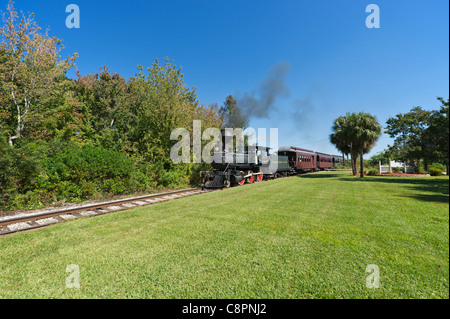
pixel 341 136
pixel 355 133
pixel 344 137
pixel 367 131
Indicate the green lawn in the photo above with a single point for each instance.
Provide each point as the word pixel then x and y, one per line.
pixel 301 237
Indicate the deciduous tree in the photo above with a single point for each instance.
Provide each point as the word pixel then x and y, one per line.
pixel 31 62
pixel 408 130
pixel 436 135
pixel 233 115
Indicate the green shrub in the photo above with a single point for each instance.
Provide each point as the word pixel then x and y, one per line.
pixel 19 167
pixel 439 166
pixel 142 180
pixel 34 175
pixel 172 179
pixel 397 169
pixel 88 188
pixel 114 186
pixel 419 170
pixel 69 191
pixel 373 172
pixel 89 163
pixel 81 172
pixel 435 172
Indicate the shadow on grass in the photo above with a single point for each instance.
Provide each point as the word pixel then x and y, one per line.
pixel 430 198
pixel 319 175
pixel 437 185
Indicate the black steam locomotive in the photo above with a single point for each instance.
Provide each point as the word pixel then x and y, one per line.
pixel 249 164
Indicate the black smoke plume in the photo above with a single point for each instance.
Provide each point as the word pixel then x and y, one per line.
pixel 259 104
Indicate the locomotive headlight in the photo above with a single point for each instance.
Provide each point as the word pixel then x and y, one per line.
pixel 216 148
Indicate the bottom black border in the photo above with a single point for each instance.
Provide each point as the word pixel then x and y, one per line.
pixel 227 308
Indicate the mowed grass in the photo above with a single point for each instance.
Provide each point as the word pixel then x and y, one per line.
pixel 311 236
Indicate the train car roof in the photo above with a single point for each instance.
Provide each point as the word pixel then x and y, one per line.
pixel 295 149
pixel 324 154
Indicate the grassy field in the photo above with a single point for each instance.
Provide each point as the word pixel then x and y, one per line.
pixel 310 236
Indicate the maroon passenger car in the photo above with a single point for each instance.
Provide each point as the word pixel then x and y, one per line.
pixel 300 159
pixel 324 161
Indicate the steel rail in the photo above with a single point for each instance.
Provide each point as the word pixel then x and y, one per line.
pixel 73 210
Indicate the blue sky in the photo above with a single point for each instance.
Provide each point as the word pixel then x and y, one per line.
pixel 337 65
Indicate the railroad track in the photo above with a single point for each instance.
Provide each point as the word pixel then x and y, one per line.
pixel 13 224
pixel 29 221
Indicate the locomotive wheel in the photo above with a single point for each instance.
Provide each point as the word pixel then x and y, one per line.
pixel 227 184
pixel 251 178
pixel 260 177
pixel 242 182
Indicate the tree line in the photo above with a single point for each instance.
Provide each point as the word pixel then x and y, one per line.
pixel 420 137
pixel 98 134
